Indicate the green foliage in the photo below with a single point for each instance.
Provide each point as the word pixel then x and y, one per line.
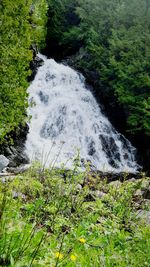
pixel 61 19
pixel 39 19
pixel 22 24
pixel 59 221
pixel 115 37
pixel 118 44
pixel 127 72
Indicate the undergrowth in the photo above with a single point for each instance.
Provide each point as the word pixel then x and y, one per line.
pixel 56 218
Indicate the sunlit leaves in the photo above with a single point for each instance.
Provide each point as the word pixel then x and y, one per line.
pixel 17 35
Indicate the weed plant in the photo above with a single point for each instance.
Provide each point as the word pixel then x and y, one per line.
pixel 54 218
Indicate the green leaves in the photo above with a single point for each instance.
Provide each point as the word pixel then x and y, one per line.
pixel 116 37
pixel 17 35
pixel 54 222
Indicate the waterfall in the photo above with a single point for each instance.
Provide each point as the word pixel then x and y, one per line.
pixel 66 120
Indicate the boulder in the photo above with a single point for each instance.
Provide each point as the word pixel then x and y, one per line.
pixel 3 162
pixel 16 153
pixel 17 157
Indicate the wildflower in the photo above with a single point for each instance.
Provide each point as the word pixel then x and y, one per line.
pixel 82 240
pixel 73 257
pixel 59 255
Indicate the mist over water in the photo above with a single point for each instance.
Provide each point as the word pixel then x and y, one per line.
pixel 66 119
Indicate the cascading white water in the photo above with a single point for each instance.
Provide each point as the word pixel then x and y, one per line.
pixel 66 118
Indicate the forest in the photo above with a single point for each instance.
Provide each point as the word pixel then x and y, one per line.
pixel 76 217
pixel 108 39
pixel 113 40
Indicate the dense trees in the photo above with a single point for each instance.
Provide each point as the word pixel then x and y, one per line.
pixel 22 24
pixel 117 37
pixel 61 18
pixel 114 39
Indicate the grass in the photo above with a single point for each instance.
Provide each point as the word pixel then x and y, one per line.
pixel 53 218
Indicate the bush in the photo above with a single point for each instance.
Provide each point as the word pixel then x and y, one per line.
pixel 22 25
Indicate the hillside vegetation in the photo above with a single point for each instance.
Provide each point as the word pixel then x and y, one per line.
pixel 113 41
pixel 22 25
pixel 58 218
pixel 110 38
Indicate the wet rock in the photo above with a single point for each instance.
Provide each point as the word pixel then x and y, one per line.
pixel 34 65
pixel 15 153
pixel 17 157
pixel 3 162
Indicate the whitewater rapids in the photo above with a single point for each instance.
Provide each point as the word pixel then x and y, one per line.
pixel 66 120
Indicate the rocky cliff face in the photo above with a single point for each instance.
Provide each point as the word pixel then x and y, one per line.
pixel 116 113
pixel 15 152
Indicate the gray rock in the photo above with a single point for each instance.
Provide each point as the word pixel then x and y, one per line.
pixel 16 195
pixel 16 153
pixel 93 195
pixel 100 194
pixel 138 193
pixel 145 193
pixel 3 162
pixel 17 157
pixel 35 64
pixel 20 169
pixel 144 215
pixel 147 202
pixel 116 183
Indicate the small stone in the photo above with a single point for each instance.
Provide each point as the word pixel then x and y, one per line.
pixel 79 187
pixel 116 183
pixel 138 193
pixel 3 162
pixel 100 194
pixel 17 195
